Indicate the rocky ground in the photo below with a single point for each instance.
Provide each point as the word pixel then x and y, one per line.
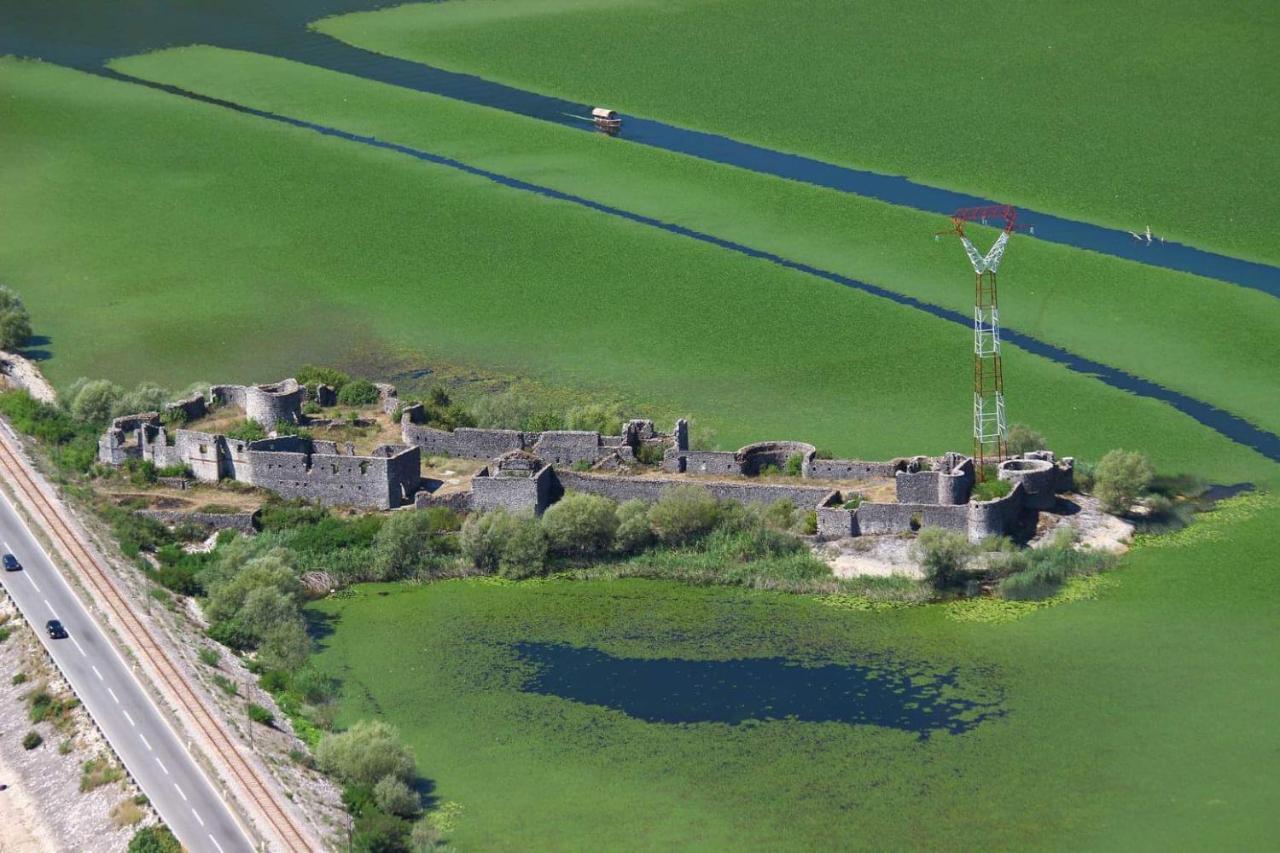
pixel 43 807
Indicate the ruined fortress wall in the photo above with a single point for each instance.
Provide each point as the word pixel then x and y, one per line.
pixel 1038 477
pixel 272 404
pixel 897 518
pixel 627 488
pixel 462 443
pixel 836 522
pixel 200 451
pixel 404 473
pixel 703 462
pixel 192 408
pixel 565 447
pixel 849 469
pixel 515 494
pixel 359 481
pixel 995 518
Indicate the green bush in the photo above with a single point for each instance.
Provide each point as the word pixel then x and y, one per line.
pixel 943 554
pixel 147 397
pixel 634 533
pixel 365 754
pixel 604 418
pixel 408 540
pixel 483 537
pixel 650 454
pixel 15 320
pixel 311 376
pixel 809 526
pixel 226 685
pixel 154 839
pixel 94 400
pixel 795 465
pixel 246 430
pixel 18 678
pixel 524 554
pixel 31 740
pixel 358 392
pixel 209 657
pixel 1121 478
pixel 989 490
pixel 780 515
pixel 1022 439
pixel 853 501
pixel 1040 572
pixel 393 796
pixel 261 715
pixel 72 444
pixel 581 525
pixel 683 514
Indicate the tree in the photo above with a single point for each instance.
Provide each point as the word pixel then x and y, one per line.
pixel 683 514
pixel 393 796
pixel 154 839
pixel 633 534
pixel 310 374
pixel 407 539
pixel 365 754
pixel 1023 439
pixel 147 397
pixel 604 418
pixel 358 392
pixel 1121 478
pixel 15 321
pixel 483 538
pixel 285 647
pixel 95 400
pixel 943 554
pixel 581 525
pixel 274 570
pixel 524 554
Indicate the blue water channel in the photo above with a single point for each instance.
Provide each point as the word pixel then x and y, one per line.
pixel 83 36
pixel 679 691
pixel 60 31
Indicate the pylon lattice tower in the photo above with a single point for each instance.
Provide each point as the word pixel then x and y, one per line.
pixel 990 429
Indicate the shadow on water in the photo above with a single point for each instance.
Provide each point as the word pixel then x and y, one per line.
pixel 65 32
pixel 671 690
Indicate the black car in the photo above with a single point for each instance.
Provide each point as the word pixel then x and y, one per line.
pixel 55 629
pixel 11 563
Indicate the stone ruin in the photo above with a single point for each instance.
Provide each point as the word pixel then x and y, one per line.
pixel 529 471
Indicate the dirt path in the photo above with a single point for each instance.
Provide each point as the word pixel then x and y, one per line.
pixel 22 827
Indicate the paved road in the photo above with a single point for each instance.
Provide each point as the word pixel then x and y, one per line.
pixel 153 753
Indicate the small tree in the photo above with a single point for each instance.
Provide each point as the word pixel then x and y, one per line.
pixel 683 514
pixel 403 544
pixel 15 321
pixel 358 392
pixel 524 554
pixel 634 533
pixel 147 397
pixel 365 754
pixel 1023 439
pixel 483 537
pixel 393 796
pixel 285 646
pixel 604 418
pixel 1121 478
pixel 154 839
pixel 943 555
pixel 581 525
pixel 95 400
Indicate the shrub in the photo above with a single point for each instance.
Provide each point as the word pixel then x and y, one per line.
pixel 261 715
pixel 1039 572
pixel 95 400
pixel 358 392
pixel 483 537
pixel 393 796
pixel 683 514
pixel 378 832
pixel 126 813
pixel 226 685
pixel 780 515
pixel 795 465
pixel 524 554
pixel 809 527
pixel 650 454
pixel 208 656
pixel 634 533
pixel 311 376
pixel 15 320
pixel 1022 439
pixel 247 430
pixel 989 490
pixel 98 772
pixel 604 418
pixel 581 465
pixel 285 646
pixel 365 754
pixel 943 554
pixel 1121 478
pixel 174 417
pixel 154 839
pixel 18 678
pixel 147 397
pixel 853 501
pixel 581 525
pixel 31 740
pixel 407 539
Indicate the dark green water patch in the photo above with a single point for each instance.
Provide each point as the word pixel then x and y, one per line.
pixel 678 691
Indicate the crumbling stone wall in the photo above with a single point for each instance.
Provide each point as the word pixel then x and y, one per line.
pixel 652 488
pixel 561 447
pixel 950 485
pixel 519 489
pixel 849 469
pixel 290 466
pixel 997 517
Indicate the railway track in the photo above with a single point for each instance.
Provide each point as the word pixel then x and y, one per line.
pixel 135 632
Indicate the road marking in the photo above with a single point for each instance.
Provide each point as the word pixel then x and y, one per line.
pixel 162 767
pixel 179 790
pixel 127 717
pixel 33 583
pixel 95 672
pixel 7 546
pixel 216 844
pixel 77 642
pixel 144 741
pixel 113 695
pixel 198 818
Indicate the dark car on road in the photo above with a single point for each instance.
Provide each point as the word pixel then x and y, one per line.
pixel 11 563
pixel 55 629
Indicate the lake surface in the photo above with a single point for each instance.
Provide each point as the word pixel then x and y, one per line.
pixel 86 36
pixel 679 691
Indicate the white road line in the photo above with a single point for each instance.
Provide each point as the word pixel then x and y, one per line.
pixel 199 819
pixel 144 741
pixel 7 546
pixel 33 583
pixel 77 642
pixel 179 790
pixel 127 717
pixel 113 695
pixel 95 672
pixel 162 767
pixel 216 844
